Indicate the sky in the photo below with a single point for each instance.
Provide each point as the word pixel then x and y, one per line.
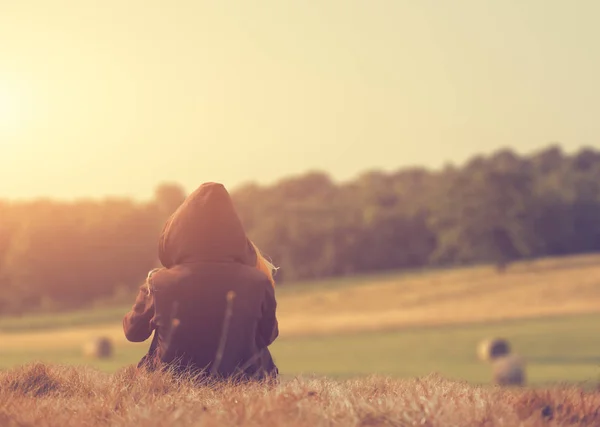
pixel 113 97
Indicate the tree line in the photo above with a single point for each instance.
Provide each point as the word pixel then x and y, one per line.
pixel 494 209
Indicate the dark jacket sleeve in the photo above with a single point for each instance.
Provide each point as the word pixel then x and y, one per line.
pixel 137 324
pixel 268 327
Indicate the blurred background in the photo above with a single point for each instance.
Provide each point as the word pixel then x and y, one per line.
pixel 425 174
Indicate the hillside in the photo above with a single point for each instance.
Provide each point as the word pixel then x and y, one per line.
pixel 546 287
pixel 403 325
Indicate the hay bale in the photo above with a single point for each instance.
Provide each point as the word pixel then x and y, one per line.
pixel 98 348
pixel 491 349
pixel 509 371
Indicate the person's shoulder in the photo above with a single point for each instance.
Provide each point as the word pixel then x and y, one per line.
pixel 255 276
pixel 160 278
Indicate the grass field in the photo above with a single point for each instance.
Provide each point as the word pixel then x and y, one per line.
pixel 403 325
pixel 47 396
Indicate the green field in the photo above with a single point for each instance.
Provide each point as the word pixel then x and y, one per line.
pixel 565 349
pixel 558 346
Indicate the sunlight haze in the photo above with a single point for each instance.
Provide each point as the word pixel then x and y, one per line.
pixel 112 98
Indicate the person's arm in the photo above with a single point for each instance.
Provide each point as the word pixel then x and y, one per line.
pixel 268 327
pixel 137 324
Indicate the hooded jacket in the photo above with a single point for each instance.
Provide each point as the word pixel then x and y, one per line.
pixel 210 308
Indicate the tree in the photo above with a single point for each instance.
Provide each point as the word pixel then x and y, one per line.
pixel 483 214
pixel 494 209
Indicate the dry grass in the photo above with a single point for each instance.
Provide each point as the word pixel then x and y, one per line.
pixel 41 395
pixel 549 287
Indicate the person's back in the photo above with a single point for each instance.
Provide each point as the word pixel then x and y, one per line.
pixel 211 307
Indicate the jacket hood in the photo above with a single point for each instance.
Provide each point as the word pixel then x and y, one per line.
pixel 205 228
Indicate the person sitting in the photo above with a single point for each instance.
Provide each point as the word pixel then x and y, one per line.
pixel 212 306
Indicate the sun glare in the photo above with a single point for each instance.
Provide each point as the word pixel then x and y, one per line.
pixel 11 108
